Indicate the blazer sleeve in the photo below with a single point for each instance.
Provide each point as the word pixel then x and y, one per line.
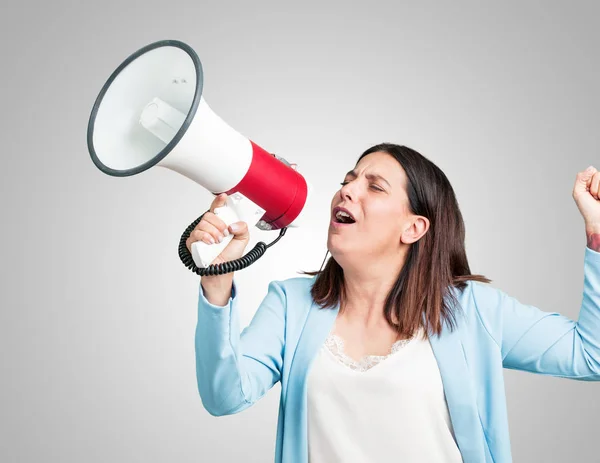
pixel 549 343
pixel 236 369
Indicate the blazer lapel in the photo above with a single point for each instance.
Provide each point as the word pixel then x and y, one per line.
pixel 318 324
pixel 452 363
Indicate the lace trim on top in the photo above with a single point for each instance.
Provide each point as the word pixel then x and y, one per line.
pixel 335 344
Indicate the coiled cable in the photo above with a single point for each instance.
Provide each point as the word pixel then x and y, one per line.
pixel 226 267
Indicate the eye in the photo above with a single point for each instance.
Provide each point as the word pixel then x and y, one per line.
pixel 374 187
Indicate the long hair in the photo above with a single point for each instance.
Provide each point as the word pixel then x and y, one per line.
pixel 422 295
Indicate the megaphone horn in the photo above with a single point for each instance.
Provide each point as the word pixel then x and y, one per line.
pixel 150 112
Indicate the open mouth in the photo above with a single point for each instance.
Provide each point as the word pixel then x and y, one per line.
pixel 341 216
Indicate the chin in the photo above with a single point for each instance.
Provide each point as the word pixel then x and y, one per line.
pixel 336 249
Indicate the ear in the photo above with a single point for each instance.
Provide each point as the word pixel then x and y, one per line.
pixel 415 230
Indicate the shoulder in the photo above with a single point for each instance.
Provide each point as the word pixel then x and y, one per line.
pixel 291 289
pixel 483 295
pixel 297 286
pixel 297 291
pixel 296 296
pixel 478 296
pixel 482 306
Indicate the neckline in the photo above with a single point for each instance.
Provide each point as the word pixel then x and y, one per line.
pixel 335 345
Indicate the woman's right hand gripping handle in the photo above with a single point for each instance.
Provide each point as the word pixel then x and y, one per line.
pixel 211 229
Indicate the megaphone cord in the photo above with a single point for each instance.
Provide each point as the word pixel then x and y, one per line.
pixel 225 267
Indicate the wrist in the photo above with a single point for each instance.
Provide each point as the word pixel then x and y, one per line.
pixel 593 238
pixel 217 288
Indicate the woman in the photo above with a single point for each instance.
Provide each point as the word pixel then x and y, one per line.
pixel 394 351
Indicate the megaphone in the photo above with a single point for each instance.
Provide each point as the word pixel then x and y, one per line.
pixel 150 112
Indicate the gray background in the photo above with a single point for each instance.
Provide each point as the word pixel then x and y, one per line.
pixel 98 314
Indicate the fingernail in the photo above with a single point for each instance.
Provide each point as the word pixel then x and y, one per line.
pixel 220 238
pixel 212 240
pixel 234 227
pixel 226 232
pixel 589 169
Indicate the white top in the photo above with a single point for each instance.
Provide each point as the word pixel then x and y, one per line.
pixel 381 409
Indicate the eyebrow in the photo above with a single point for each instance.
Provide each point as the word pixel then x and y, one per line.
pixel 352 174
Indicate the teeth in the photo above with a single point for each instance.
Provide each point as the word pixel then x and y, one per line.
pixel 340 214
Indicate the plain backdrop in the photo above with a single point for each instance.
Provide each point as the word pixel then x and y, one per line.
pixel 97 312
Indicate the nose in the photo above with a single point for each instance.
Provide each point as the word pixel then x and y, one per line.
pixel 348 191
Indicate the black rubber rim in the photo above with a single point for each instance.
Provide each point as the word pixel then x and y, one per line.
pixel 182 130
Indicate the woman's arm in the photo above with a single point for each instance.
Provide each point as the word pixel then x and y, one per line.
pixel 547 343
pixel 235 370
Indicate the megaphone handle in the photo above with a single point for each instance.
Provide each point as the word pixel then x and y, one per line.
pixel 203 253
pixel 237 208
pixel 226 267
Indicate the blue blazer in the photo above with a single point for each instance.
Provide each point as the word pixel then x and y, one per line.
pixel 495 331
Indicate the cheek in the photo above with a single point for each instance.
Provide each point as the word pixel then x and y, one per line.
pixel 383 218
pixel 384 225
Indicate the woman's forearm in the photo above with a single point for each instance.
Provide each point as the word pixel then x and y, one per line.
pixel 236 368
pixel 217 289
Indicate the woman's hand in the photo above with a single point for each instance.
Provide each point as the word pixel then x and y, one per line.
pixel 211 229
pixel 586 194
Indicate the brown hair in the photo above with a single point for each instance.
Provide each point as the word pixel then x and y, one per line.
pixel 421 296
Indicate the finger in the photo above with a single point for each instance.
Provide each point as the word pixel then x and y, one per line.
pixel 239 230
pixel 189 242
pixel 207 227
pixel 199 235
pixel 216 221
pixel 219 201
pixel 595 185
pixel 583 181
pixel 204 236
